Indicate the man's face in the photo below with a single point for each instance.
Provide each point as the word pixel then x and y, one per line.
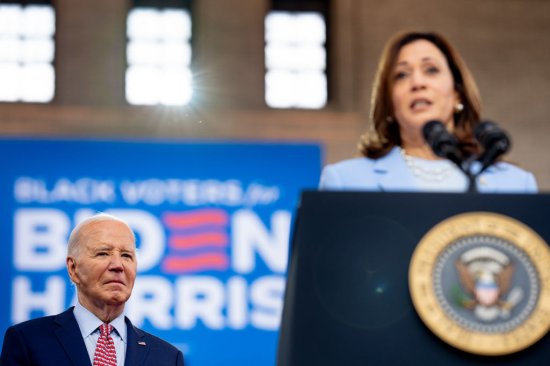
pixel 105 268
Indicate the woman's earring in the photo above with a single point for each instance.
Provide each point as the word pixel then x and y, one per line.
pixel 459 107
pixel 390 119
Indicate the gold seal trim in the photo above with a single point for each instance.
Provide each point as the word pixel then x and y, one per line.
pixel 421 283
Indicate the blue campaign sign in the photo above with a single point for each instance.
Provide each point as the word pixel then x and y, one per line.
pixel 212 222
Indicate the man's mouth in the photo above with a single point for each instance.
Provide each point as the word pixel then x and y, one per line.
pixel 115 282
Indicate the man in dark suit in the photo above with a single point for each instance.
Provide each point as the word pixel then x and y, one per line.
pixel 101 262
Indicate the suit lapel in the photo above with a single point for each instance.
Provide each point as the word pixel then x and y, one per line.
pixel 69 335
pixel 137 348
pixel 392 173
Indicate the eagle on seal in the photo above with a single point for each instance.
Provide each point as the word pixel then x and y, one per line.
pixel 484 286
pixel 485 275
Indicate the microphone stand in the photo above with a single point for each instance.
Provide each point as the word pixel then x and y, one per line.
pixel 472 184
pixel 465 167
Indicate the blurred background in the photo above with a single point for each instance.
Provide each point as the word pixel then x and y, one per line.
pixel 200 119
pixel 294 70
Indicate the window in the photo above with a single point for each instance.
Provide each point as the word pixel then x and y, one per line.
pixel 295 56
pixel 27 51
pixel 159 55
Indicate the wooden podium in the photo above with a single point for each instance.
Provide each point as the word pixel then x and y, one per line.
pixel 347 299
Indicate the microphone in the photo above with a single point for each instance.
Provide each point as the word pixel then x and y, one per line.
pixel 442 142
pixel 494 140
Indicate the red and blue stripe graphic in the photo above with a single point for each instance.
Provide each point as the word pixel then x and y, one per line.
pixel 198 241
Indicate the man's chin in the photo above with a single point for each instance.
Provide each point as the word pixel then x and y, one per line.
pixel 117 299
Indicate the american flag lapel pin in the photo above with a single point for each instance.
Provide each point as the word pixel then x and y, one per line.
pixel 142 343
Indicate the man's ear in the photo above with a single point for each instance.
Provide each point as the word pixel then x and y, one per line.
pixel 71 268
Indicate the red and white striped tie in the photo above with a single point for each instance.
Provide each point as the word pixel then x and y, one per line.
pixel 105 353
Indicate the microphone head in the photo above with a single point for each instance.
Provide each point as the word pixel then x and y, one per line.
pixel 490 136
pixel 432 131
pixel 439 139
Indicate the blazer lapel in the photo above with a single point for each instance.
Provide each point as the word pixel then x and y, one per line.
pixel 488 181
pixel 69 335
pixel 137 348
pixel 393 174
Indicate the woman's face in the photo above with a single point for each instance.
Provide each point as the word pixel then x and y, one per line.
pixel 423 89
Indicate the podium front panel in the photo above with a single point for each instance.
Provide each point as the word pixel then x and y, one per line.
pixel 347 299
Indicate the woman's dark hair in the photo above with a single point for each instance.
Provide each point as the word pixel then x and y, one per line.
pixel 384 130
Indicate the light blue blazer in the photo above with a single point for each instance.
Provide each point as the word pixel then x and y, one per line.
pixel 390 173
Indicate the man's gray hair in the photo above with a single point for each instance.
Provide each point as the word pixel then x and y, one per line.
pixel 73 247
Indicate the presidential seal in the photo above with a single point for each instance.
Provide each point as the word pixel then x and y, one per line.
pixel 481 282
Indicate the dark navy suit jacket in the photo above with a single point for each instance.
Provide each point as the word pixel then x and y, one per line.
pixel 57 340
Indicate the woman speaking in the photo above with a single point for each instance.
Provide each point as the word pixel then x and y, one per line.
pixel 421 78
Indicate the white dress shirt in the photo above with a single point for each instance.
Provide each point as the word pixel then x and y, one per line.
pixel 89 327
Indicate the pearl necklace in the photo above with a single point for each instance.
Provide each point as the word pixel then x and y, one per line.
pixel 429 175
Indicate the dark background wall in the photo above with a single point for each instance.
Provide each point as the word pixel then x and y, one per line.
pixel 506 43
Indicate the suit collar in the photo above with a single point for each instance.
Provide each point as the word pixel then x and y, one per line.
pixel 392 172
pixel 136 348
pixel 68 334
pixel 88 322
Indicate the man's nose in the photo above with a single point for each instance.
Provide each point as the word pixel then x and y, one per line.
pixel 116 263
